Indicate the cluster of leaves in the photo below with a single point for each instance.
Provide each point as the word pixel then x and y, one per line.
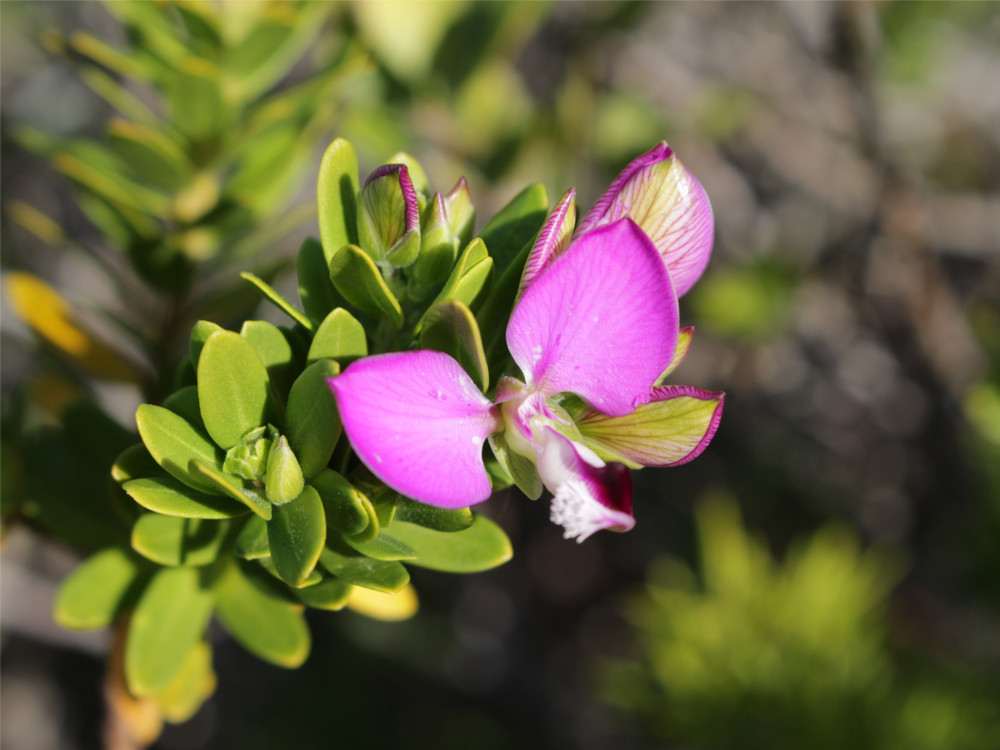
pixel 782 656
pixel 252 506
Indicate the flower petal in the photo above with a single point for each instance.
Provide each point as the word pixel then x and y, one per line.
pixel 674 428
pixel 553 238
pixel 600 322
pixel 588 495
pixel 670 205
pixel 409 415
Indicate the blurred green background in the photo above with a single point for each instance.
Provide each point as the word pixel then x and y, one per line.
pixel 825 575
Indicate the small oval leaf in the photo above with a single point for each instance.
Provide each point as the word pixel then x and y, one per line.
pixel 353 567
pixel 171 540
pixel 311 419
pixel 251 543
pixel 331 594
pixel 100 589
pixel 233 388
pixel 174 443
pixel 347 510
pixel 171 498
pixel 450 327
pixel 482 546
pixel 341 337
pixel 232 486
pixel 337 197
pixel 357 278
pixel 296 534
pixel 168 621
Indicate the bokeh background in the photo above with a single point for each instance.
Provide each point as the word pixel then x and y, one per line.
pixel 825 575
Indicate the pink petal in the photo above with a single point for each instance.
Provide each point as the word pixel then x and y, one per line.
pixel 418 422
pixel 552 239
pixel 588 495
pixel 673 428
pixel 670 205
pixel 600 322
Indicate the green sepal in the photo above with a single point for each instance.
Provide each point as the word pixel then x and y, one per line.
pixel 312 421
pixel 337 197
pixel 173 443
pixel 171 540
pixel 330 594
pixel 450 327
pixel 278 301
pixel 438 245
pixel 482 546
pixel 274 351
pixel 417 174
pixel 296 535
pixel 251 542
pixel 134 463
pixel 233 388
pixel 358 279
pixel 347 510
pixel 184 403
pixel 341 337
pixel 233 487
pixel 266 626
pixel 515 224
pixel 284 480
pixel 521 469
pixel 382 547
pixel 439 519
pixel 167 623
pixel 316 291
pixel 98 591
pixel 353 567
pixel 172 498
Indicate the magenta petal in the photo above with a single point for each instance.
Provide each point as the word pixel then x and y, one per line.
pixel 418 422
pixel 600 322
pixel 552 239
pixel 588 495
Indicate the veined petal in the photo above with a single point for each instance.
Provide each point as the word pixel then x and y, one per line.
pixel 552 239
pixel 588 495
pixel 674 428
pixel 669 205
pixel 418 422
pixel 601 321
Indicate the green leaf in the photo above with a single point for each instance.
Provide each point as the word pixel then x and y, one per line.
pixel 353 567
pixel 330 594
pixel 482 546
pixel 171 540
pixel 171 498
pixel 98 591
pixel 296 535
pixel 311 419
pixel 515 224
pixel 382 547
pixel 200 332
pixel 193 683
pixel 133 463
pixel 280 302
pixel 194 100
pixel 231 486
pixel 149 154
pixel 347 510
pixel 264 625
pixel 337 197
pixel 251 543
pixel 233 388
pixel 283 482
pixel 173 443
pixel 357 278
pixel 274 351
pixel 341 337
pixel 267 563
pixel 316 291
pixel 450 327
pixel 184 403
pixel 168 621
pixel 438 519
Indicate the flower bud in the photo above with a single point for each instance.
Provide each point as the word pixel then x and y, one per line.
pixel 460 212
pixel 389 216
pixel 438 244
pixel 660 195
pixel 284 481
